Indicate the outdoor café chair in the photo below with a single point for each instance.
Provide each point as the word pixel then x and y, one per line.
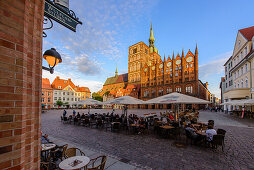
pixel 70 152
pixel 48 164
pixel 188 137
pixel 221 132
pixel 97 163
pixel 59 153
pixel 115 126
pixel 218 140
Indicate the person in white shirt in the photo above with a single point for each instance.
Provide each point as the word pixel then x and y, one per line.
pixel 210 132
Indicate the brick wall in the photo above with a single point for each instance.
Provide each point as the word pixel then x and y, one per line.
pixel 20 83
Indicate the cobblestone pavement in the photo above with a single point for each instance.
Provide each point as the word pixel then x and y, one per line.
pixel 158 153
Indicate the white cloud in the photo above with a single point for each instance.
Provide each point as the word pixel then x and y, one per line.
pixel 94 86
pixel 216 66
pixel 213 71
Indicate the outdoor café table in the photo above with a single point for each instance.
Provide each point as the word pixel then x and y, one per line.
pixel 161 122
pixel 167 129
pixel 202 133
pixel 134 127
pixel 203 123
pixel 69 163
pixel 45 149
pixel 196 125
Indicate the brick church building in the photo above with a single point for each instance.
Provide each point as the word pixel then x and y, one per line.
pixel 149 76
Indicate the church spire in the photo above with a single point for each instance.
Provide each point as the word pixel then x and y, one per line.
pixel 196 50
pixel 116 73
pixel 151 38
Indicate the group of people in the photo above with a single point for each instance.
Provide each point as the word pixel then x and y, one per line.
pixel 197 137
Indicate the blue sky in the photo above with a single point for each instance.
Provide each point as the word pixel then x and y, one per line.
pixel 109 27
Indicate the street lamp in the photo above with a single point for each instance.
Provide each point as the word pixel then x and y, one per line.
pixel 53 58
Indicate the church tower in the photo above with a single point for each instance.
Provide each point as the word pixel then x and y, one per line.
pixel 196 63
pixel 116 73
pixel 151 41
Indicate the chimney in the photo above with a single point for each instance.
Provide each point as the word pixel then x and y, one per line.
pixel 69 80
pixel 206 85
pixel 57 77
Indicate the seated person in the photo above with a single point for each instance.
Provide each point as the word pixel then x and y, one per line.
pixel 44 139
pixel 196 137
pixel 142 125
pixel 171 117
pixel 78 115
pixel 83 116
pixel 210 132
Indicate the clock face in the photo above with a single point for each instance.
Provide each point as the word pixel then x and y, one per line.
pixel 153 68
pixel 161 66
pixel 145 70
pixel 178 62
pixel 168 64
pixel 189 59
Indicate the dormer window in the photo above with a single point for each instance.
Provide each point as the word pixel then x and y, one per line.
pixel 59 87
pixel 65 81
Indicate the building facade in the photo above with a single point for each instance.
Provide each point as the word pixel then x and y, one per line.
pixel 149 76
pixel 46 94
pixel 67 92
pixel 241 69
pixel 222 89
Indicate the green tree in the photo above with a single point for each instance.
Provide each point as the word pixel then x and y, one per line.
pixel 96 96
pixel 59 103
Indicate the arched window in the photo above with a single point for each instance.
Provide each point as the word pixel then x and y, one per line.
pixel 242 83
pixel 238 84
pixel 246 82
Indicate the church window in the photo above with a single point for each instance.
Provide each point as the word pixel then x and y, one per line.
pixel 176 74
pixel 171 69
pixel 134 50
pixel 246 82
pixel 176 68
pixel 187 65
pixel 242 83
pixel 191 65
pixel 146 51
pixel 180 68
pixel 238 84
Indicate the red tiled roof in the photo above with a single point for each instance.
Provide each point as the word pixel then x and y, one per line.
pixel 62 83
pixel 83 89
pixel 248 32
pixel 46 83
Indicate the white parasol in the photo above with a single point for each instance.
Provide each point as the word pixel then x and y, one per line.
pixel 176 98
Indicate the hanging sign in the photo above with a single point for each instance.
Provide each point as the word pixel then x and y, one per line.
pixel 59 15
